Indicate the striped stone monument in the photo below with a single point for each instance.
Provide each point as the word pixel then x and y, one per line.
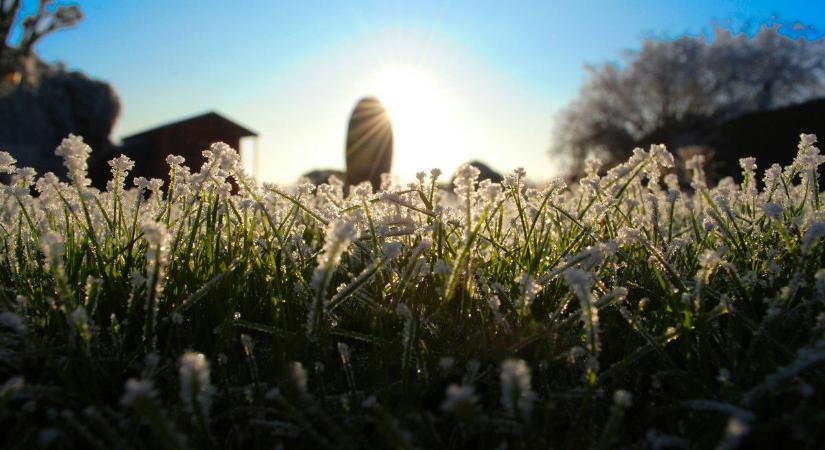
pixel 369 143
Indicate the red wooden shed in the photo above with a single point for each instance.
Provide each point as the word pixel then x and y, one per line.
pixel 187 138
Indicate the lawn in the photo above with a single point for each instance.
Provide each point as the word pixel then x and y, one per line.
pixel 625 311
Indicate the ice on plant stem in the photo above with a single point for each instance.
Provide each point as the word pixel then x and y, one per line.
pixel 640 277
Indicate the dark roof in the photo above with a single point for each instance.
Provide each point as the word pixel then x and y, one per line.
pixel 233 127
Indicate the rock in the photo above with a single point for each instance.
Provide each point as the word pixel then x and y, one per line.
pixel 320 176
pixel 36 117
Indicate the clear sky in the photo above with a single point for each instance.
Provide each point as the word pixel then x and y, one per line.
pixel 497 71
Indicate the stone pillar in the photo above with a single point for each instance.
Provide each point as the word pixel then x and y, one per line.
pixel 369 143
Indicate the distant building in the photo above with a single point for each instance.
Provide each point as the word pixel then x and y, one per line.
pixel 187 138
pixel 769 136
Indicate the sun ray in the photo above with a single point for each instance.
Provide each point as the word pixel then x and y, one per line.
pixel 422 116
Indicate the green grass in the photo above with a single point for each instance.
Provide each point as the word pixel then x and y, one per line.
pixel 624 312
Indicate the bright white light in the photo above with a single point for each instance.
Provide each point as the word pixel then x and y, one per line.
pixel 423 120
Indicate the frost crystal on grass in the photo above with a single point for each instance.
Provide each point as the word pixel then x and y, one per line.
pixel 528 288
pixel 772 210
pixel 516 390
pixel 460 400
pixel 629 236
pixel 338 237
pixel 7 163
pixel 194 381
pixel 675 278
pixel 137 390
pixel 580 284
pixel 78 317
pixel 175 160
pixel 465 179
pixel 622 398
pixel 52 245
pixel 298 376
pixel 121 164
pixel 75 153
pixel 155 233
pixel 814 233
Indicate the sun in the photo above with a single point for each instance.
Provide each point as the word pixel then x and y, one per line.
pixel 423 116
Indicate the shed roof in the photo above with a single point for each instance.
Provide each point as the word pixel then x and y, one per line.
pixel 230 126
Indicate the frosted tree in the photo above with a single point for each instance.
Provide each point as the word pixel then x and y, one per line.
pixel 684 85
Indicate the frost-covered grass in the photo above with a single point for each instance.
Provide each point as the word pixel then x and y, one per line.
pixel 622 312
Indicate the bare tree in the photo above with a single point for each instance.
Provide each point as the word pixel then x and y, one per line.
pixel 686 85
pixel 8 14
pixel 46 19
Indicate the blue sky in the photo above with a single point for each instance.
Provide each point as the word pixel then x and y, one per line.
pixel 293 70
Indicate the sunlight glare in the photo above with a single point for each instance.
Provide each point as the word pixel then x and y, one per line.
pixel 425 133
